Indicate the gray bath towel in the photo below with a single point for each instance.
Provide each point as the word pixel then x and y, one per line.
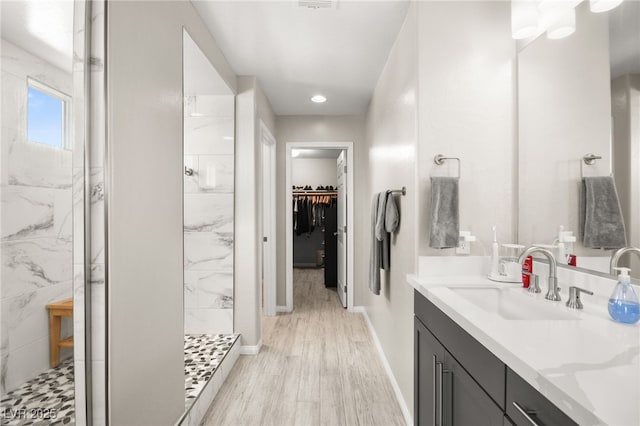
pixel 601 221
pixel 445 222
pixel 381 234
pixel 376 249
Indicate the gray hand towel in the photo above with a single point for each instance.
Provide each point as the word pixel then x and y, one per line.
pixel 445 222
pixel 376 248
pixel 601 221
pixel 391 216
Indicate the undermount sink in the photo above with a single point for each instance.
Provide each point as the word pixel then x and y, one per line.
pixel 513 304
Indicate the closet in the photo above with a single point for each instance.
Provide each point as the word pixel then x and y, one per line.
pixel 315 219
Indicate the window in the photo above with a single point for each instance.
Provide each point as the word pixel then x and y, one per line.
pixel 47 116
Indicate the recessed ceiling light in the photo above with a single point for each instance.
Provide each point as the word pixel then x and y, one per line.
pixel 318 99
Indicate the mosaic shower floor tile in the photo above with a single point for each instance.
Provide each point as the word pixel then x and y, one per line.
pixel 202 356
pixel 46 400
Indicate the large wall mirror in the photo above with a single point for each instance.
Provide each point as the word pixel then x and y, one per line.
pixel 42 289
pixel 576 96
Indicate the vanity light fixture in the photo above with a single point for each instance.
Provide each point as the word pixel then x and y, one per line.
pixel 557 17
pixel 563 26
pixel 598 6
pixel 524 19
pixel 319 99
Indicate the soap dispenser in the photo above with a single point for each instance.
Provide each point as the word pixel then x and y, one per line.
pixel 623 304
pixel 495 254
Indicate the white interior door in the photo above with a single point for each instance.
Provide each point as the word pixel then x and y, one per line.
pixel 342 228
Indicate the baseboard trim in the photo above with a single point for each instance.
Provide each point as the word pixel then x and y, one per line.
pixel 385 363
pixel 281 308
pixel 251 350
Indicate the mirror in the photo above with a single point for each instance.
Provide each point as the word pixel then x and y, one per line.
pixel 43 204
pixel 565 111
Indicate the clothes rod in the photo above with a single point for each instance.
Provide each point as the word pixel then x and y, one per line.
pixel 313 192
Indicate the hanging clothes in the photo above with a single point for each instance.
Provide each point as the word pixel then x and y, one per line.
pixel 309 211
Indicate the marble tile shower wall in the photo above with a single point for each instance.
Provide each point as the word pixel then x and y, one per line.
pixel 37 224
pixel 208 214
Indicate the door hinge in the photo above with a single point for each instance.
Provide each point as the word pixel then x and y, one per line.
pixel 265 239
pixel 344 229
pixel 345 169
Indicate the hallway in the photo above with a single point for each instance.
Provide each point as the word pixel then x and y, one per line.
pixel 317 365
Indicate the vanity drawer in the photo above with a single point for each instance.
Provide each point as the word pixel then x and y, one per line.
pixel 538 408
pixel 486 369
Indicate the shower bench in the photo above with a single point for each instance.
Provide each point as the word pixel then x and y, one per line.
pixel 57 310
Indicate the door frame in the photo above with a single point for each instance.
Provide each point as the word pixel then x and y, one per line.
pixel 268 216
pixel 348 147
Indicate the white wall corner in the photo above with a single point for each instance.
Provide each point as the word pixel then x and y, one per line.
pixel 385 363
pixel 251 350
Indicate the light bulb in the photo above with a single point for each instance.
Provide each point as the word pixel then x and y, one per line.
pixel 598 6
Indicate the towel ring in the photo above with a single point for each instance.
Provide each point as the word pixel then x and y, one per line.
pixel 589 160
pixel 440 159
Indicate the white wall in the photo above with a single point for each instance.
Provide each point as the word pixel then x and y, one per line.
pixel 251 107
pixel 311 128
pixel 442 91
pixel 467 110
pixel 564 112
pixel 314 171
pixel 144 180
pixel 392 143
pixel 209 213
pixel 37 224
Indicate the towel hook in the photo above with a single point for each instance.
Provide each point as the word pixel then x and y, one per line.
pixel 440 159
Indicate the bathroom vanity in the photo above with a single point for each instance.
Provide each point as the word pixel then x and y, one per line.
pixel 489 353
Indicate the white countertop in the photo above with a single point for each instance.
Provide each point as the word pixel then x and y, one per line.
pixel 589 367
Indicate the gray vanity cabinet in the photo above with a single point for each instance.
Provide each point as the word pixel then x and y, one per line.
pixel 429 352
pixel 460 382
pixel 526 406
pixel 445 394
pixel 466 402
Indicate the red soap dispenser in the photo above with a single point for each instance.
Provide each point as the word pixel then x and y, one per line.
pixel 527 266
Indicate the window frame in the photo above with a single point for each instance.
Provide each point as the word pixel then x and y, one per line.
pixel 66 112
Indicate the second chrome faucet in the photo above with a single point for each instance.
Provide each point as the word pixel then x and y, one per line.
pixel 553 292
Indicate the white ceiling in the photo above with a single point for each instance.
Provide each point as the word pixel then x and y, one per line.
pixel 43 28
pixel 298 52
pixel 200 77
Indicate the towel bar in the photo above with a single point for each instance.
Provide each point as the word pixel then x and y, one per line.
pixel 440 159
pixel 402 191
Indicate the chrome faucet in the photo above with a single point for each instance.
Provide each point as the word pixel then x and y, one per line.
pixel 553 292
pixel 618 254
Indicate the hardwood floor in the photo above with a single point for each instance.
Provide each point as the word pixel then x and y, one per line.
pixel 317 366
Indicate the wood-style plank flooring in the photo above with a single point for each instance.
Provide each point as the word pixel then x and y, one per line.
pixel 317 366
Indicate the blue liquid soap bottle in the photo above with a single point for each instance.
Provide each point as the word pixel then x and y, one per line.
pixel 623 304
